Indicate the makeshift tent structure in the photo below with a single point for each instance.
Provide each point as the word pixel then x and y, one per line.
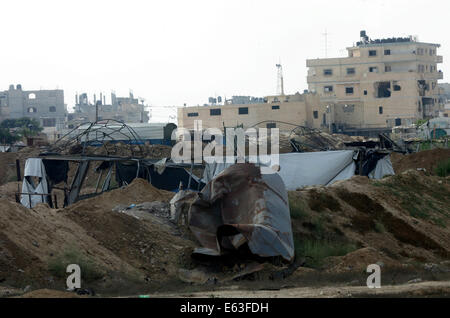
pixel 299 169
pixel 33 194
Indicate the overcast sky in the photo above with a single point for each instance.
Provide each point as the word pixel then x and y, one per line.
pixel 176 52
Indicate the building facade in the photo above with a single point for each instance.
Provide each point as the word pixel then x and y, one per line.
pixel 284 112
pixel 47 106
pixel 126 109
pixel 380 84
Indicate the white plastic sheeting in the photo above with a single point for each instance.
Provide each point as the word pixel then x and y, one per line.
pixel 301 169
pixel 34 167
pixel 383 168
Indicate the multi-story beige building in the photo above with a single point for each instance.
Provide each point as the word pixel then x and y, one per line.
pixel 283 112
pixel 380 84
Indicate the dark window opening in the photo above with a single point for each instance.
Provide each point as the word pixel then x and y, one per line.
pixel 365 92
pixel 271 125
pixel 397 87
pixel 383 89
pixel 350 71
pixel 328 89
pixel 373 69
pixel 349 90
pixel 387 52
pixel 52 109
pixel 275 106
pixel 316 114
pixel 328 72
pixel 387 68
pixel 398 121
pixel 380 110
pixel 372 53
pixel 192 114
pixel 243 110
pixel 215 112
pixel 49 122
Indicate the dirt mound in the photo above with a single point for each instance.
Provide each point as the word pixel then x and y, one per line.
pixel 37 244
pixel 139 191
pixel 403 219
pixel 428 159
pixel 9 189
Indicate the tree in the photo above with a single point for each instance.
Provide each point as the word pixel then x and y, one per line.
pixel 25 127
pixel 7 138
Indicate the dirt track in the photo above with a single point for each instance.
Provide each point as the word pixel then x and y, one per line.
pixel 422 289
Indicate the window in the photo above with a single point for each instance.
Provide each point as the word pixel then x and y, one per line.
pixel 365 92
pixel 383 89
pixel 380 110
pixel 32 96
pixel 328 72
pixel 387 52
pixel 275 106
pixel 316 114
pixel 192 114
pixel 372 53
pixel 31 110
pixel 215 112
pixel 328 89
pixel 349 90
pixel 387 68
pixel 373 69
pixel 350 71
pixel 271 125
pixel 243 110
pixel 398 121
pixel 396 86
pixel 49 122
pixel 52 109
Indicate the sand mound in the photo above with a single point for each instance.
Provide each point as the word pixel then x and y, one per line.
pixel 427 159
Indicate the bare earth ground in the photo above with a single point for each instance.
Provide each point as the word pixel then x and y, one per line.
pixel 400 222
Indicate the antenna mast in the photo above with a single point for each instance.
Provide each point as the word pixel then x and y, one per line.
pixel 280 84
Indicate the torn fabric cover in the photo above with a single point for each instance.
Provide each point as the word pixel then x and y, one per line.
pixel 34 167
pixel 242 206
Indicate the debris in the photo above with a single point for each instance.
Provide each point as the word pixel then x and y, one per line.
pixel 179 206
pixel 242 206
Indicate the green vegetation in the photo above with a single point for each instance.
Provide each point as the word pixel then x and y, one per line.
pixel 12 130
pixel 379 227
pixel 443 168
pixel 315 251
pixel 296 207
pixel 58 265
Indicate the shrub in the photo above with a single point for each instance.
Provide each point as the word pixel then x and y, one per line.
pixel 443 168
pixel 89 270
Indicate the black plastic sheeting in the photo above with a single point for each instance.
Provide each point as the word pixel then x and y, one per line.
pixel 127 172
pixel 169 180
pixel 171 177
pixel 56 170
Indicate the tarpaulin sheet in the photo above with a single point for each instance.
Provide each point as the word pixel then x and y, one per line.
pixel 242 206
pixel 34 167
pixel 299 169
pixel 383 168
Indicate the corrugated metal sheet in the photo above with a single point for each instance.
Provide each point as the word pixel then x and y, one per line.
pixel 242 206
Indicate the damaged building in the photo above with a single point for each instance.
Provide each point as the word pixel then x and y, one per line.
pixel 126 109
pixel 385 82
pixel 46 106
pixel 381 84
